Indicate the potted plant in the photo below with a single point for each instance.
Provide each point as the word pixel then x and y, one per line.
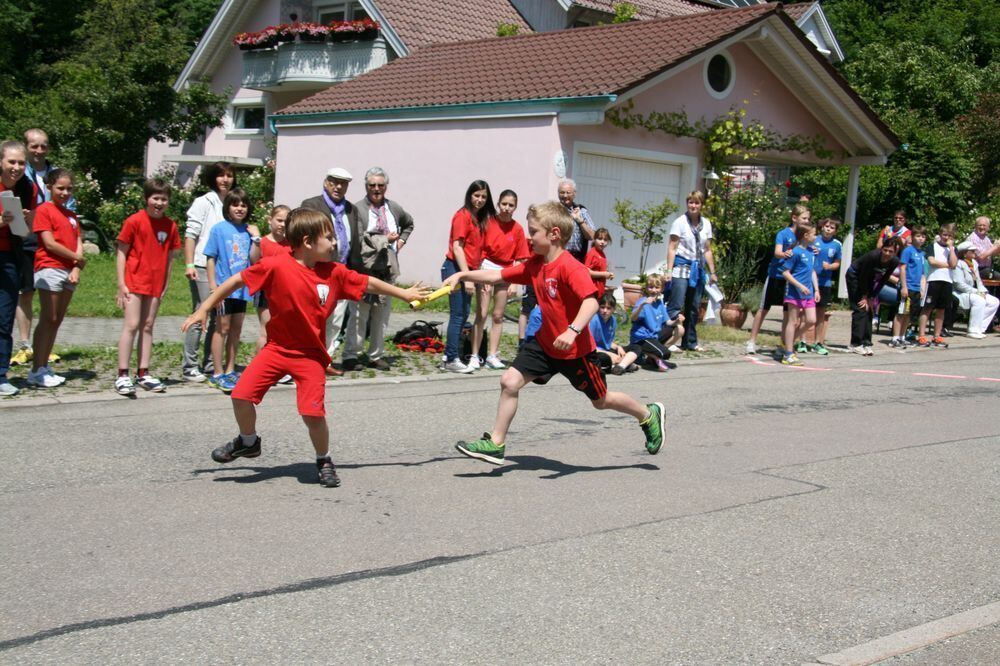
pixel 313 32
pixel 738 274
pixel 647 225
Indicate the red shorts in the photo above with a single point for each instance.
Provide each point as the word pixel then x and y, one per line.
pixel 271 364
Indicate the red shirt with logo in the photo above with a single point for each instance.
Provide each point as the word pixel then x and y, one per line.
pixel 269 248
pixel 505 242
pixel 560 287
pixel 301 299
pixel 596 261
pixel 465 228
pixel 150 241
pixel 65 229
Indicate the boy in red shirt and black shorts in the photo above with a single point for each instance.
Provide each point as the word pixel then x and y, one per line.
pixel 563 345
pixel 302 288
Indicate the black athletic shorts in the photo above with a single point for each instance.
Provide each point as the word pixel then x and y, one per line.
pixel 529 301
pixel 27 272
pixel 938 295
pixel 232 306
pixel 774 292
pixel 825 296
pixel 583 373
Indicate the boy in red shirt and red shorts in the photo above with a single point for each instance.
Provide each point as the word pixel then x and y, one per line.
pixel 566 295
pixel 302 288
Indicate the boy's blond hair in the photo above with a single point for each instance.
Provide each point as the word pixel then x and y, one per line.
pixel 306 223
pixel 654 280
pixel 552 214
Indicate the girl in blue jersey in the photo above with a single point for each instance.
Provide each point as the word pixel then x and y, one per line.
pixel 801 290
pixel 652 329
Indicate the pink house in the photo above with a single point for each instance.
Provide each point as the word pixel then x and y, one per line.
pixel 522 112
pixel 437 101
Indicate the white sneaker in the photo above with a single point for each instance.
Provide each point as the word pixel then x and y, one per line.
pixel 867 351
pixel 474 363
pixel 495 363
pixel 6 388
pixel 976 336
pixel 151 383
pixel 851 349
pixel 193 375
pixel 751 348
pixel 456 365
pixel 124 386
pixel 287 379
pixel 44 378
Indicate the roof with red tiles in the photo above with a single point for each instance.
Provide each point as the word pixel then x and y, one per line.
pixel 798 10
pixel 422 22
pixel 581 62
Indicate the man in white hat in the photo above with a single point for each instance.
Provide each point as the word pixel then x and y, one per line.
pixel 344 216
pixel 970 293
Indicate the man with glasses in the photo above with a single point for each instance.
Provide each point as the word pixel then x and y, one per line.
pixel 347 229
pixel 384 224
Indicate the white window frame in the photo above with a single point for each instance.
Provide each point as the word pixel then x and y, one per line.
pixel 349 6
pixel 244 103
pixel 732 74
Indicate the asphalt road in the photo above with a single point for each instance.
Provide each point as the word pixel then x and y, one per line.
pixel 792 514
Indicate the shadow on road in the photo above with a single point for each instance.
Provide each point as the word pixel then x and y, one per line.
pixel 558 468
pixel 305 472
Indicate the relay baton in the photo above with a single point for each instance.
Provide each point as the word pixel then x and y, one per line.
pixel 434 295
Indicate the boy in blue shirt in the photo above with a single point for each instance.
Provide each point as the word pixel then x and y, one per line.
pixel 774 285
pixel 913 286
pixel 652 329
pixel 228 253
pixel 603 327
pixel 801 290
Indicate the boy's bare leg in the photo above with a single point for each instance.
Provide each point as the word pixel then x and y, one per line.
pixel 758 321
pixel 246 416
pixel 219 343
pixel 624 403
pixel 938 322
pixel 821 321
pixel 319 434
pixel 147 319
pixel 233 341
pixel 511 384
pixel 922 323
pixel 628 359
pixel 130 325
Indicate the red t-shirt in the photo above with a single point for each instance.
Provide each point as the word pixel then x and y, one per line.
pixel 65 230
pixel 596 261
pixel 888 233
pixel 301 299
pixel 560 287
pixel 464 227
pixel 269 248
pixel 505 242
pixel 150 243
pixel 5 232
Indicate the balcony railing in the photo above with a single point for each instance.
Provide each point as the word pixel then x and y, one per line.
pixel 305 66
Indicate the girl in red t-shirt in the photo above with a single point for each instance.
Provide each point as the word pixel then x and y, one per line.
pixel 271 244
pixel 504 245
pixel 465 252
pixel 58 261
pixel 147 245
pixel 597 263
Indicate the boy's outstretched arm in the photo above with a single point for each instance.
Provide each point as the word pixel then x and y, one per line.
pixel 582 320
pixel 415 292
pixel 481 276
pixel 216 297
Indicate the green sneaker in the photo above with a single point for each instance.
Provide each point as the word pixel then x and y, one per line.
pixel 820 349
pixel 801 347
pixel 483 449
pixel 653 428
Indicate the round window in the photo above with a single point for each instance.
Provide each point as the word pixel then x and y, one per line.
pixel 719 75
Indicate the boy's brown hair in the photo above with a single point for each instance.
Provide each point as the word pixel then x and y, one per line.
pixel 155 186
pixel 802 228
pixel 306 223
pixel 552 214
pixel 654 280
pixel 835 221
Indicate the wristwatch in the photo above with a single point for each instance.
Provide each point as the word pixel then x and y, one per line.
pixel 574 329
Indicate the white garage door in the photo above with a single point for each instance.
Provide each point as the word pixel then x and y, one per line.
pixel 601 179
